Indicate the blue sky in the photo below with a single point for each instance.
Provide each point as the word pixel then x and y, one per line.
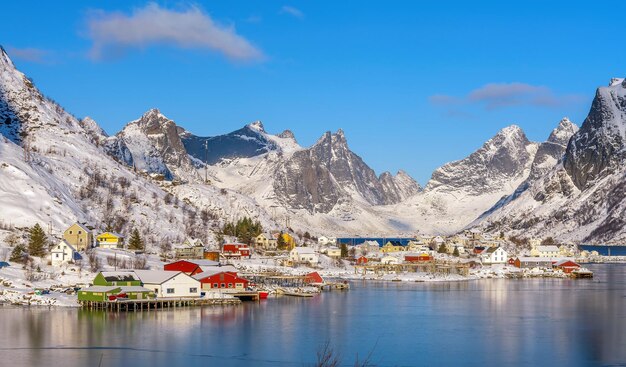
pixel 413 84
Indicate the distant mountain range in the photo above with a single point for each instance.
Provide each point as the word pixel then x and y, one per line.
pixel 56 168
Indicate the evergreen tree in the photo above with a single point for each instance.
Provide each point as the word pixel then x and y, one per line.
pixel 344 250
pixel 442 248
pixel 135 242
pixel 281 244
pixel 456 252
pixel 37 241
pixel 18 254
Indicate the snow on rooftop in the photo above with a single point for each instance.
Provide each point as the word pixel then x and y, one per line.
pixel 155 276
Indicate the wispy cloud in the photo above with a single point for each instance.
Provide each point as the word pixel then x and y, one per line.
pixel 501 95
pixel 29 54
pixel 290 10
pixel 189 28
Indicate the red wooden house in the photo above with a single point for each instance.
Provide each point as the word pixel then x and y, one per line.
pixel 567 266
pixel 361 260
pixel 221 280
pixel 238 250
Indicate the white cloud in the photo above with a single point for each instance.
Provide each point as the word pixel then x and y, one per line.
pixel 29 54
pixel 152 25
pixel 286 9
pixel 499 95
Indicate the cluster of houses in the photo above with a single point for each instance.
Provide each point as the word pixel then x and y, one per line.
pixel 178 280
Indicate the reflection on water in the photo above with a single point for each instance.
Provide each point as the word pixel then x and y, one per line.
pixel 490 322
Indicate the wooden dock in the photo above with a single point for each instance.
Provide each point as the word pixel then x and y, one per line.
pixel 141 305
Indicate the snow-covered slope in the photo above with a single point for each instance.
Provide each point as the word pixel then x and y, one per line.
pixel 460 191
pixel 54 171
pixel 583 197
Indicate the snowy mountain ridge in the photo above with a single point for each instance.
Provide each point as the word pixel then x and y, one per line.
pixel 57 169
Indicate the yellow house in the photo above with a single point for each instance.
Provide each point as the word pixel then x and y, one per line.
pixel 79 236
pixel 392 246
pixel 290 242
pixel 110 240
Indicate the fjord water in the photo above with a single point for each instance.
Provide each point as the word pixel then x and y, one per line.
pixel 490 322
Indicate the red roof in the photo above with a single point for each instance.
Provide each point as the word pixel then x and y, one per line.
pixel 184 266
pixel 314 278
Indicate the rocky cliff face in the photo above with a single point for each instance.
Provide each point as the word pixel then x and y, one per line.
pixel 598 148
pixel 582 197
pixel 152 144
pixel 319 177
pixel 502 159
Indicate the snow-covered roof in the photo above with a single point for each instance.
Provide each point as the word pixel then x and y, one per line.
pixel 211 272
pixel 155 276
pixel 203 263
pixel 548 248
pixel 534 259
pixel 304 250
pixel 563 261
pixel 82 226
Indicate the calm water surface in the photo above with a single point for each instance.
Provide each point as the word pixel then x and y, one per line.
pixel 480 323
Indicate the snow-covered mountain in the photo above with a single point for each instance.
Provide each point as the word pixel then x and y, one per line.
pixel 318 178
pixel 583 196
pixel 152 144
pixel 55 169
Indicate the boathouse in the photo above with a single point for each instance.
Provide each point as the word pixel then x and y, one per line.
pixel 566 265
pixel 169 284
pixel 216 279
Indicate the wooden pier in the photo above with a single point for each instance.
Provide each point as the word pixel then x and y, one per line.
pixel 432 267
pixel 141 305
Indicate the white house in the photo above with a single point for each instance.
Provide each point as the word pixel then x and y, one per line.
pixel 390 260
pixel 333 251
pixel 63 253
pixel 323 240
pixel 169 284
pixel 494 255
pixel 303 255
pixel 545 251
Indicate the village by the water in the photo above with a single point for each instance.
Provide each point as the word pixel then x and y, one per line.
pixel 82 267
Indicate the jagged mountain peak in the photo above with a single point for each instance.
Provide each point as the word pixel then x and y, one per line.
pixel 287 134
pixel 599 147
pixel 5 59
pixel 563 132
pixel 617 81
pixel 256 126
pixel 506 156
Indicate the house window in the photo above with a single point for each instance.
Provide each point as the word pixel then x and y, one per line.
pixel 223 285
pixel 193 290
pixel 80 232
pixel 214 285
pixel 230 285
pixel 70 232
pixel 170 290
pixel 57 255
